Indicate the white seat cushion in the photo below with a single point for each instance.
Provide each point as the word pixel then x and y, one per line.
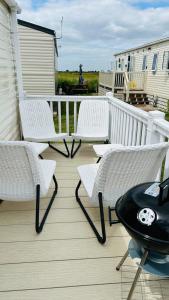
pixel 87 175
pixel 48 170
pixel 39 147
pixel 90 137
pixel 100 150
pixel 46 138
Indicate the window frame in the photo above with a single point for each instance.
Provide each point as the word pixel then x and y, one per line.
pixel 165 67
pixel 144 64
pixel 156 65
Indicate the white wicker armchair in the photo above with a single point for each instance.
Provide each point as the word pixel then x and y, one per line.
pixel 37 124
pixel 93 123
pixel 39 147
pixel 119 170
pixel 25 177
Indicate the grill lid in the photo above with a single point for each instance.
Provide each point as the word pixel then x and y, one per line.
pixel 144 211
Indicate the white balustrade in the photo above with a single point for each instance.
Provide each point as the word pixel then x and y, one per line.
pixel 117 80
pixel 128 125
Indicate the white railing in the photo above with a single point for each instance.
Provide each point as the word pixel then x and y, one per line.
pixel 128 125
pixel 137 80
pixel 106 79
pixel 117 80
pixel 65 106
pixel 161 133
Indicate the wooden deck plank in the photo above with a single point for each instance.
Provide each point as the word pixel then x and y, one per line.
pixel 55 216
pixel 65 261
pixel 95 292
pixel 150 291
pixel 58 250
pixel 76 230
pixel 60 202
pixel 59 274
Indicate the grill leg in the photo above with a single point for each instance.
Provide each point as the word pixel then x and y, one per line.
pixel 122 260
pixel 73 152
pixel 101 237
pixel 64 154
pixel 111 221
pixel 143 260
pixel 38 225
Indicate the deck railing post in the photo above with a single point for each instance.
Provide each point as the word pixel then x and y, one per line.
pixel 153 136
pixel 109 95
pixel 113 82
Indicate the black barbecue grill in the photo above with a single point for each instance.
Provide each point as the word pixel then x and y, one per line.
pixel 144 212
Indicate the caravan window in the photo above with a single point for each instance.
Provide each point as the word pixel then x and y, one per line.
pixel 154 64
pixel 144 66
pixel 122 64
pixel 165 60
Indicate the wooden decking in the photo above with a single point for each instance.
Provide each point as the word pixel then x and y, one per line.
pixel 65 261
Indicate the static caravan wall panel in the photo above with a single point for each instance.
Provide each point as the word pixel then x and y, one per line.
pixel 38 61
pixel 9 128
pixel 157 82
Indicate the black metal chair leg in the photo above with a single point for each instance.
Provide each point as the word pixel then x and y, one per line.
pixel 101 237
pixel 38 225
pixel 64 154
pixel 98 160
pixel 106 142
pixel 111 221
pixel 75 151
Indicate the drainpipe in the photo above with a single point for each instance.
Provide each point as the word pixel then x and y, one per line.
pixel 16 46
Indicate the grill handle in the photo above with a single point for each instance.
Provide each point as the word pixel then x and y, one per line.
pixel 164 192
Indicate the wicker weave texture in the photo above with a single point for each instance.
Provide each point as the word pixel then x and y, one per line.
pixel 120 169
pixel 36 118
pixel 20 171
pixel 93 119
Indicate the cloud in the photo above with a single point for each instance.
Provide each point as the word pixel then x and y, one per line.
pixel 93 30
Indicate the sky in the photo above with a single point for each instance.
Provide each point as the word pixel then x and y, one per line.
pixel 93 30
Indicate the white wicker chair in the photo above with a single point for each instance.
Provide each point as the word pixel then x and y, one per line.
pixel 25 177
pixel 119 170
pixel 37 124
pixel 39 147
pixel 93 123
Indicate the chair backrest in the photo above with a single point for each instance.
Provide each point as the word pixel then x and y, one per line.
pixel 120 169
pixel 20 171
pixel 36 118
pixel 93 117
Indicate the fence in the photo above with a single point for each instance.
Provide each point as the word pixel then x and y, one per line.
pixel 128 125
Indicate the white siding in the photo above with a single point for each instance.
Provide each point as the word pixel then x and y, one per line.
pixel 157 82
pixel 9 123
pixel 38 61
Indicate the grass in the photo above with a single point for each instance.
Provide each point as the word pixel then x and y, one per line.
pixel 167 116
pixel 64 129
pixel 70 78
pixel 67 80
pixel 74 76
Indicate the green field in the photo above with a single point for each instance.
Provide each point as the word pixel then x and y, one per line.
pixel 88 76
pixel 68 80
pixel 167 116
pixel 72 78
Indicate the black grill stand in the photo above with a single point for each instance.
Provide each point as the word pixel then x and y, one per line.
pixel 143 260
